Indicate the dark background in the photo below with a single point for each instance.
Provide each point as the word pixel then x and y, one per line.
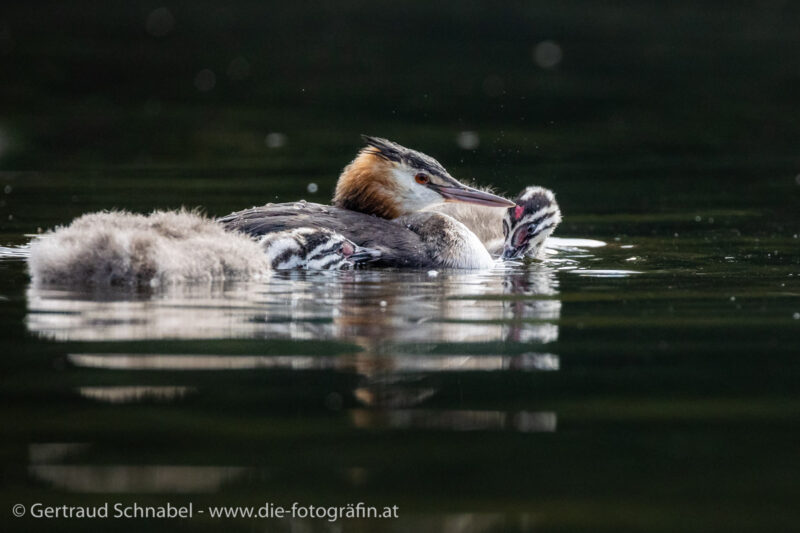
pixel 90 85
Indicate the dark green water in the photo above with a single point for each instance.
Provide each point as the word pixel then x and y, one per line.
pixel 646 385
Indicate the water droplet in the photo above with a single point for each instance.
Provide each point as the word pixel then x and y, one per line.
pixel 698 218
pixel 383 303
pixel 159 22
pixel 275 140
pixel 312 188
pixel 432 273
pixel 547 54
pixel 7 189
pixel 468 140
pixel 733 298
pixel 796 316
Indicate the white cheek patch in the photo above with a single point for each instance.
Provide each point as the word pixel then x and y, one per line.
pixel 414 196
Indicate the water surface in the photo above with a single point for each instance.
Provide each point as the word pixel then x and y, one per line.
pixel 644 372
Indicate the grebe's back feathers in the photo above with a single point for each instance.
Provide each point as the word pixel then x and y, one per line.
pixel 398 247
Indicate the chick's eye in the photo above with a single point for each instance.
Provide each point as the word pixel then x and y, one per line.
pixel 422 179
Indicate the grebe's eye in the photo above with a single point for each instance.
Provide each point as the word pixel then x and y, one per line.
pixel 422 179
pixel 347 249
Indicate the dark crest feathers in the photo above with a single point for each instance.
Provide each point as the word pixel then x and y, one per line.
pixel 391 151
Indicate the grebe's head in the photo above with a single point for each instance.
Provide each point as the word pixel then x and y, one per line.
pixel 314 249
pixel 528 225
pixel 389 180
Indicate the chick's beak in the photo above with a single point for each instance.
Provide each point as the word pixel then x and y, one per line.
pixel 364 255
pixel 511 253
pixel 462 193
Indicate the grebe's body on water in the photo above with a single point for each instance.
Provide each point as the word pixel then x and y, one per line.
pixel 417 240
pixel 379 203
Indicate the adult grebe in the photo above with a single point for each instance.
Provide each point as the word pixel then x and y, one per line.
pixel 120 248
pixel 377 204
pixel 515 232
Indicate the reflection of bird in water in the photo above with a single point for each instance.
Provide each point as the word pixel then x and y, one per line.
pixel 374 309
pixel 540 281
pixel 513 233
pixel 401 321
pixel 378 203
pixel 119 248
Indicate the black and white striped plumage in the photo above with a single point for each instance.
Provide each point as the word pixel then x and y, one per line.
pixel 313 249
pixel 528 225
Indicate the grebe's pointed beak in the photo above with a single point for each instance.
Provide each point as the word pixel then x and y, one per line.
pixel 462 193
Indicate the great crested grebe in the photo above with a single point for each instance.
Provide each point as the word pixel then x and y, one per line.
pixel 378 202
pixel 120 248
pixel 512 233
